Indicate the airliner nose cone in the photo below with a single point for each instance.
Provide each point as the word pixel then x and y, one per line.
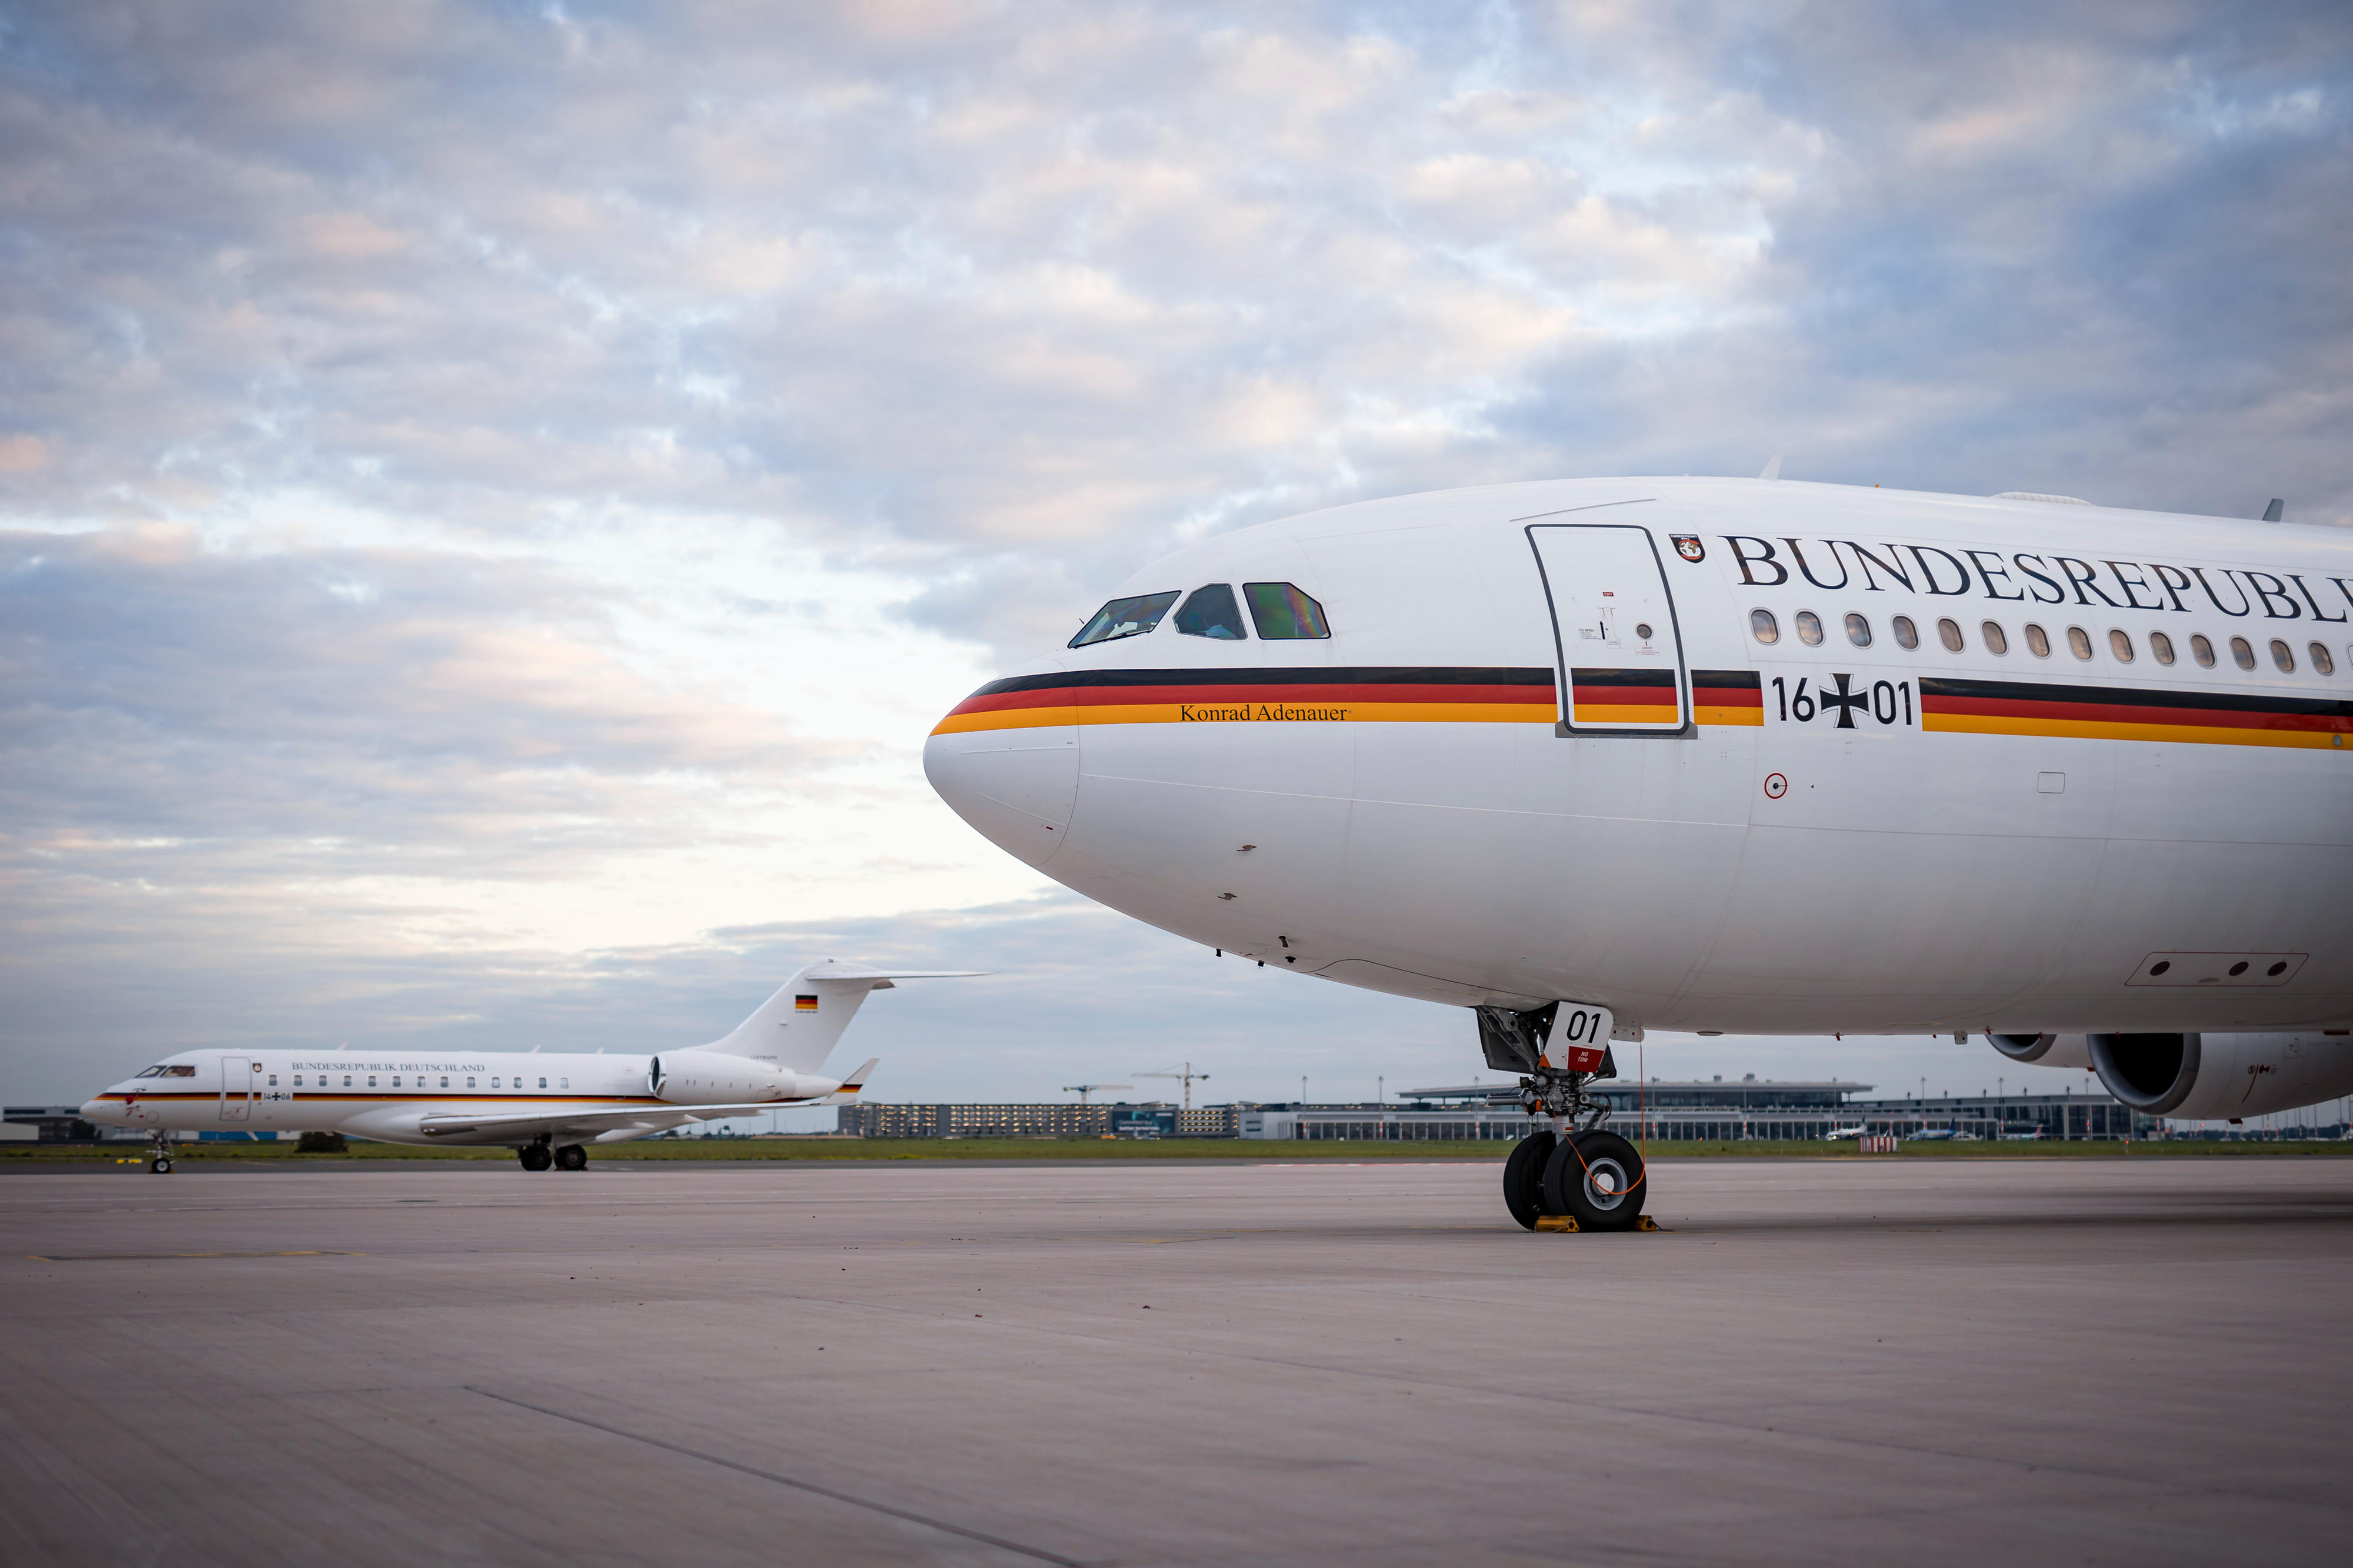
pixel 1006 760
pixel 100 1110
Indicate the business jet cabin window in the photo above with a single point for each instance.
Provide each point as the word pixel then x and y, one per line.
pixel 1211 612
pixel 1282 611
pixel 1130 618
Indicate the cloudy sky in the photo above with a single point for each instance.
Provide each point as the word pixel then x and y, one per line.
pixel 492 497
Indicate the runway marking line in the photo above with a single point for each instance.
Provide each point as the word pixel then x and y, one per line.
pixel 855 1501
pixel 157 1256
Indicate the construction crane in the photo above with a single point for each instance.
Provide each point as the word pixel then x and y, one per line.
pixel 1186 1073
pixel 1084 1089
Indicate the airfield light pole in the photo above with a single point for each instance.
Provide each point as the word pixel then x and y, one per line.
pixel 1185 1072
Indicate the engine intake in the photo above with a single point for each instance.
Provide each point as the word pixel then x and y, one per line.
pixel 2154 1074
pixel 2205 1077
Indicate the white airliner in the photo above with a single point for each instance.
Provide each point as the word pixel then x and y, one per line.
pixel 1600 756
pixel 546 1105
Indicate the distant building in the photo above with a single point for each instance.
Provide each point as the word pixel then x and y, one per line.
pixel 63 1125
pixel 1712 1111
pixel 1060 1120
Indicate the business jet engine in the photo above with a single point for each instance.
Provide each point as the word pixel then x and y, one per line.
pixel 720 1078
pixel 2204 1078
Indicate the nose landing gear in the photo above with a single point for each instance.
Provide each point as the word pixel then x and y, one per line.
pixel 1588 1177
pixel 159 1155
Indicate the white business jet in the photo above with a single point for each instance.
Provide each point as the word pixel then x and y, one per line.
pixel 547 1106
pixel 1593 757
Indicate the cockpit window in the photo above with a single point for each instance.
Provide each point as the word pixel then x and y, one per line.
pixel 1125 619
pixel 1211 612
pixel 151 1072
pixel 182 1069
pixel 1281 610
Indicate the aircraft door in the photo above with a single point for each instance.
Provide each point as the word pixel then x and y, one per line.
pixel 236 1088
pixel 1620 666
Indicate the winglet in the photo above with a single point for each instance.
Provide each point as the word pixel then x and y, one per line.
pixel 2274 512
pixel 1773 469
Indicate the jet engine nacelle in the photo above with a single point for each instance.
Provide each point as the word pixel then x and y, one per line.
pixel 2206 1077
pixel 720 1078
pixel 2045 1050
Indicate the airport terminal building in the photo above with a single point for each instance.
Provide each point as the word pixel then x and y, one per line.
pixel 1712 1110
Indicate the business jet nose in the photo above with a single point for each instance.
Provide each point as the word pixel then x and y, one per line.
pixel 106 1114
pixel 1006 760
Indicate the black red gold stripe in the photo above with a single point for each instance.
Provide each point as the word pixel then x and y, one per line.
pixel 1727 697
pixel 1328 695
pixel 1369 694
pixel 1607 699
pixel 2132 714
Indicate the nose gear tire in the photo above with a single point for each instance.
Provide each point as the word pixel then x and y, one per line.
pixel 1601 1190
pixel 1524 1173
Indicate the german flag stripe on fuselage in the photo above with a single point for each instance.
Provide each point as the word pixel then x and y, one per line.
pixel 1376 694
pixel 2132 714
pixel 1605 698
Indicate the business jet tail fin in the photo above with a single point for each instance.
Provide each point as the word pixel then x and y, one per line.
pixel 797 1027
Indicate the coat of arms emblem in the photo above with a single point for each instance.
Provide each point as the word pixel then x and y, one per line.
pixel 1688 546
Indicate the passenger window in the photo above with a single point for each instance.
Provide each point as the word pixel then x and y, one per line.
pixel 2160 647
pixel 543 1083
pixel 1282 612
pixel 347 1080
pixel 1763 627
pixel 298 1080
pixel 564 1083
pixel 2283 657
pixel 2121 645
pixel 494 1083
pixel 2321 660
pixel 396 1080
pixel 1997 641
pixel 1810 629
pixel 469 1083
pixel 1906 634
pixel 445 1083
pixel 1858 631
pixel 1949 633
pixel 2202 650
pixel 2079 642
pixel 1125 619
pixel 1211 612
pixel 273 1081
pixel 2242 654
pixel 371 1080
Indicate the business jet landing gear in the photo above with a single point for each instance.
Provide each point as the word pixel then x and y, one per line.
pixel 159 1155
pixel 572 1157
pixel 534 1157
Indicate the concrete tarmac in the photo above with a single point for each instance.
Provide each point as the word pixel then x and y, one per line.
pixel 1914 1361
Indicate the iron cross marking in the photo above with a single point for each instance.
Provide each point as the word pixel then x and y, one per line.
pixel 1845 701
